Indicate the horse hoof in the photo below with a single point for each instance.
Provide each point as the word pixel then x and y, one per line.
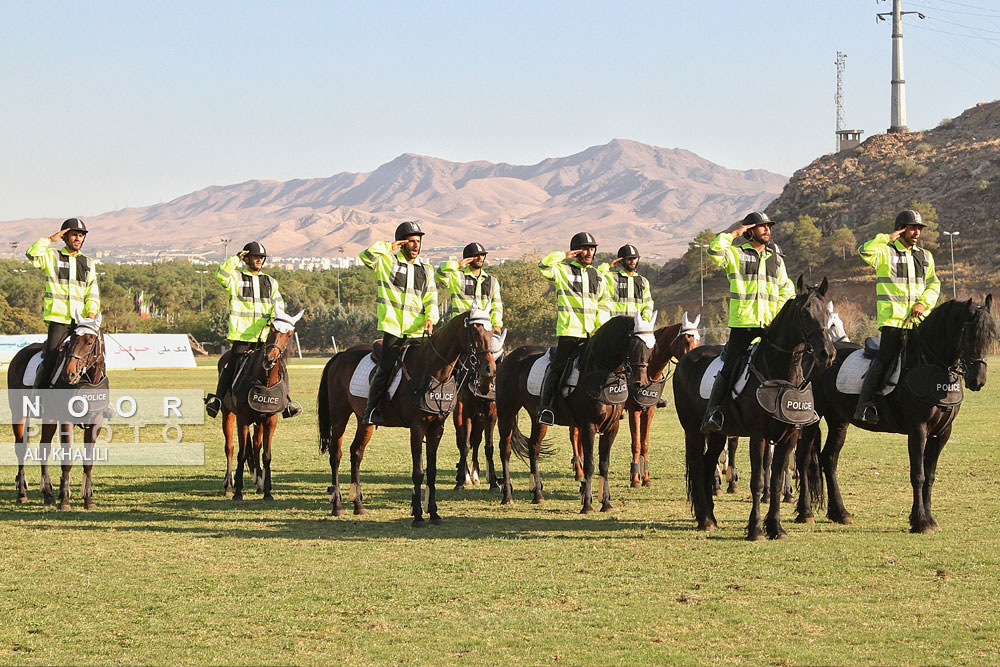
pixel 268 496
pixel 845 520
pixel 418 523
pixel 459 487
pixel 707 525
pixel 507 501
pixel 717 491
pixel 238 497
pixel 89 504
pixel 579 477
pixel 647 482
pixel 22 499
pixel 50 500
pixel 494 488
pixel 360 511
pixel 787 498
pixel 436 521
pixel 607 507
pixel 587 510
pixel 805 519
pixel 538 500
pixel 337 511
pixel 732 489
pixel 64 506
pixel 636 484
pixel 227 493
pixel 779 536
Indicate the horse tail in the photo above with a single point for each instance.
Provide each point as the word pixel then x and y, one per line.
pixel 323 408
pixel 814 468
pixel 519 445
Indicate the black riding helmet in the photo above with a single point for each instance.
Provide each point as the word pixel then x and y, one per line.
pixel 408 229
pixel 254 248
pixel 628 251
pixel 582 240
pixel 473 250
pixel 909 217
pixel 74 225
pixel 756 218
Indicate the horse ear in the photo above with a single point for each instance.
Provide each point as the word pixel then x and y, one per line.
pixel 823 286
pixel 685 322
pixel 298 317
pixel 829 306
pixel 989 303
pixel 799 285
pixel 697 321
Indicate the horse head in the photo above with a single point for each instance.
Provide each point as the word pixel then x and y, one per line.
pixel 978 336
pixel 479 346
pixel 84 351
pixel 835 326
pixel 640 348
pixel 802 322
pixel 688 338
pixel 280 335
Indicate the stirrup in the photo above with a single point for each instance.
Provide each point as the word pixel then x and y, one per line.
pixel 373 418
pixel 212 405
pixel 293 409
pixel 713 421
pixel 547 417
pixel 867 413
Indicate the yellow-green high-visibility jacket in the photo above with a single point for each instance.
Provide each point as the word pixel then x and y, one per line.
pixel 253 299
pixel 626 293
pixel 904 277
pixel 758 282
pixel 71 282
pixel 579 290
pixel 407 296
pixel 466 287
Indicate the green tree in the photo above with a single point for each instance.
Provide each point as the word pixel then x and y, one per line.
pixel 695 257
pixel 843 242
pixel 808 241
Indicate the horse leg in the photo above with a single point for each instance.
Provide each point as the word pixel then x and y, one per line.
pixel 732 476
pixel 66 439
pixel 48 491
pixel 242 434
pixel 577 460
pixel 416 454
pixel 919 516
pixel 604 465
pixel 478 428
pixel 463 429
pixel 586 440
pixel 506 424
pixel 228 421
pixel 772 523
pixel 804 455
pixel 337 429
pixel 645 425
pixel 758 450
pixel 635 472
pixel 788 472
pixel 766 465
pixel 258 444
pixel 268 427
pixel 491 422
pixel 88 465
pixel 21 450
pixel 694 458
pixel 829 457
pixel 931 453
pixel 361 439
pixel 434 433
pixel 535 479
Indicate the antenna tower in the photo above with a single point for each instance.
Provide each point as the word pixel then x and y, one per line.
pixel 838 98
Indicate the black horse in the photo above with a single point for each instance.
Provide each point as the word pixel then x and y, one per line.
pixel 952 341
pixel 617 353
pixel 475 417
pixel 796 333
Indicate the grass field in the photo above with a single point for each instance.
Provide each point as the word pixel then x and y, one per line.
pixel 168 571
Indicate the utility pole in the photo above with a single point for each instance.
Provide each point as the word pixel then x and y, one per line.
pixel 898 102
pixel 951 238
pixel 838 97
pixel 225 247
pixel 201 286
pixel 701 271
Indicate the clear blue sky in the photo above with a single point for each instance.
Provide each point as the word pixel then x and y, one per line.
pixel 108 104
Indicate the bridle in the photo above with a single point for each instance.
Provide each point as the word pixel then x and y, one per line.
pixel 94 350
pixel 807 337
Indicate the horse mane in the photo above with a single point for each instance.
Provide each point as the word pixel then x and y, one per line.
pixel 609 340
pixel 942 325
pixel 984 334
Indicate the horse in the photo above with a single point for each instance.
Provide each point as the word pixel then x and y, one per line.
pixel 430 365
pixel 951 341
pixel 258 395
pixel 475 417
pixel 672 342
pixel 81 358
pixel 796 332
pixel 838 334
pixel 617 353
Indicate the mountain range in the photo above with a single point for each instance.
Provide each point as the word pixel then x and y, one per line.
pixel 622 192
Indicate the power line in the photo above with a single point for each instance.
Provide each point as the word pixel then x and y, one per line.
pixel 959 66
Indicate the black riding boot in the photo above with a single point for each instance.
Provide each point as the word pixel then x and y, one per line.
pixel 213 402
pixel 372 415
pixel 714 418
pixel 293 409
pixel 874 380
pixel 549 388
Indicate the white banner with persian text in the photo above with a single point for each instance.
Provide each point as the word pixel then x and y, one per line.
pixel 122 351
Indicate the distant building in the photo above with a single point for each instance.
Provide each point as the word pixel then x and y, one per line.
pixel 848 139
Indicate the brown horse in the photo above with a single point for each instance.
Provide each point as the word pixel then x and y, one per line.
pixel 475 417
pixel 262 382
pixel 617 352
pixel 82 360
pixel 421 404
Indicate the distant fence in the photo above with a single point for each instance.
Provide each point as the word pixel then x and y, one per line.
pixel 122 351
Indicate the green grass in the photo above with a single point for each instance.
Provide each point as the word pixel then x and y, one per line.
pixel 168 571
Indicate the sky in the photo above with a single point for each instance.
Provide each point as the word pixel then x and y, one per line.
pixel 106 105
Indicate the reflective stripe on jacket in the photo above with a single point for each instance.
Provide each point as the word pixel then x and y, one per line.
pixel 758 282
pixel 904 277
pixel 579 290
pixel 625 294
pixel 253 300
pixel 406 296
pixel 70 282
pixel 465 287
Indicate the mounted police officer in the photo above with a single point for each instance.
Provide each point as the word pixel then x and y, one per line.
pixel 579 290
pixel 406 303
pixel 468 283
pixel 758 287
pixel 70 289
pixel 627 293
pixel 254 300
pixel 906 288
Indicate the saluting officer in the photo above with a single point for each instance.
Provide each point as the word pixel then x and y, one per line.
pixel 70 288
pixel 254 300
pixel 579 289
pixel 406 302
pixel 468 283
pixel 627 293
pixel 758 287
pixel 906 288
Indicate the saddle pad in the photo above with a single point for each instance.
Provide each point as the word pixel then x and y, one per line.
pixel 537 375
pixel 708 379
pixel 361 380
pixel 31 368
pixel 851 375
